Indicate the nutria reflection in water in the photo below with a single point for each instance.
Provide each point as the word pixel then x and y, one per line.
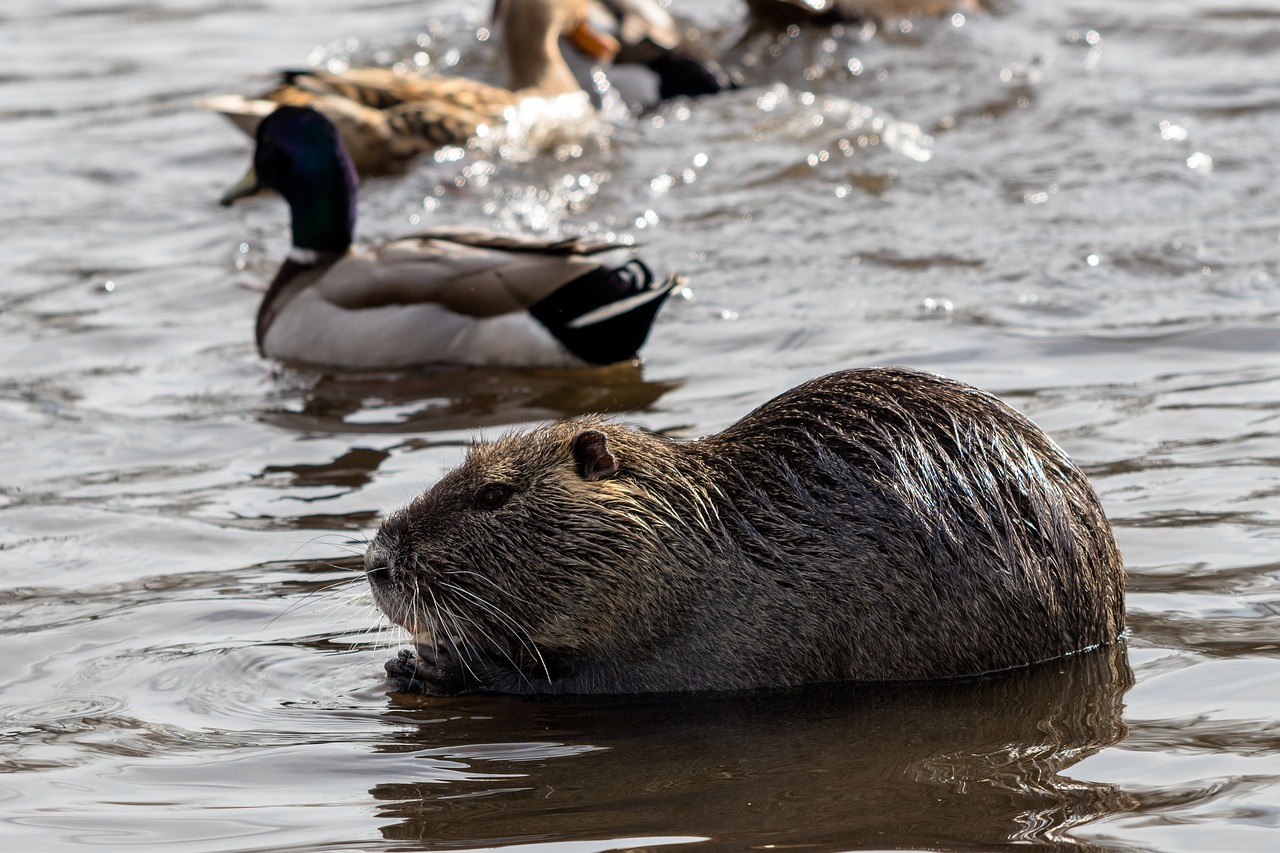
pixel 981 763
pixel 870 525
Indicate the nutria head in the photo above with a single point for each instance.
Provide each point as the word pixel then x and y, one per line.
pixel 551 541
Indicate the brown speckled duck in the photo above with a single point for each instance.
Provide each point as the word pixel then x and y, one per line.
pixel 386 118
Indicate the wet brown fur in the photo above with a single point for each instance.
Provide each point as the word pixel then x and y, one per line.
pixel 877 524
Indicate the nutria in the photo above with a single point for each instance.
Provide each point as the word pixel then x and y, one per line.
pixel 870 525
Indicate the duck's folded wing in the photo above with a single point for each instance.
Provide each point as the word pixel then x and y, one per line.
pixel 353 120
pixel 481 239
pixel 379 88
pixel 432 124
pixel 470 280
pixel 384 88
pixel 415 105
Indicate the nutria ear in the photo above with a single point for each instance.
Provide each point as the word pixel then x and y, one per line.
pixel 591 452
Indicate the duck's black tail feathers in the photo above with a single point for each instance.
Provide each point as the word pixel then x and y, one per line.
pixel 684 75
pixel 605 315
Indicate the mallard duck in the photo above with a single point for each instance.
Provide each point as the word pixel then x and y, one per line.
pixel 653 62
pixel 441 296
pixel 386 118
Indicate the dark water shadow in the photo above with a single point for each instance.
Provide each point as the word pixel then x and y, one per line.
pixel 978 765
pixel 460 399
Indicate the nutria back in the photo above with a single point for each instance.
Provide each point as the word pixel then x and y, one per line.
pixel 876 524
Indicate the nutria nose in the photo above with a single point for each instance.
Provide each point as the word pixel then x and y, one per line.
pixel 379 560
pixel 378 575
pixel 378 564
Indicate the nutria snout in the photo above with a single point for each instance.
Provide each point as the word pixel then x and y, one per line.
pixel 875 524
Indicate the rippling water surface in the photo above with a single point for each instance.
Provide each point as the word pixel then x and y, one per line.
pixel 1072 204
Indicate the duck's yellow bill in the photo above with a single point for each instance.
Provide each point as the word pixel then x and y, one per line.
pixel 599 46
pixel 245 187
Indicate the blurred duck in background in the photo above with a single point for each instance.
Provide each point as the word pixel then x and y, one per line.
pixel 653 63
pixel 386 118
pixel 446 296
pixel 772 16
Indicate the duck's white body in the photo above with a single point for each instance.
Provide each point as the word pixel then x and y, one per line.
pixel 447 296
pixel 316 331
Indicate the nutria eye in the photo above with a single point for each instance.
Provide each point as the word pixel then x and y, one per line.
pixel 493 496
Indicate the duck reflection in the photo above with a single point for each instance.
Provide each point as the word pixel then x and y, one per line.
pixel 351 470
pixel 975 764
pixel 464 399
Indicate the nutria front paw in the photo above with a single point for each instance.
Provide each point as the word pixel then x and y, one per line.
pixel 436 672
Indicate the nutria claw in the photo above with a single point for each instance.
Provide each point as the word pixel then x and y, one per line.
pixel 436 674
pixel 401 672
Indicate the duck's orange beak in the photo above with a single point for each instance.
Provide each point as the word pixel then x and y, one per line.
pixel 601 47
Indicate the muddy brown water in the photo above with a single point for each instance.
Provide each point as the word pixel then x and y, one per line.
pixel 1072 204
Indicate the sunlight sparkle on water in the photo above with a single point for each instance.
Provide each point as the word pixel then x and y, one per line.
pixel 942 307
pixel 1200 162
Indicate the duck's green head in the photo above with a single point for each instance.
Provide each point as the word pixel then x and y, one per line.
pixel 300 156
